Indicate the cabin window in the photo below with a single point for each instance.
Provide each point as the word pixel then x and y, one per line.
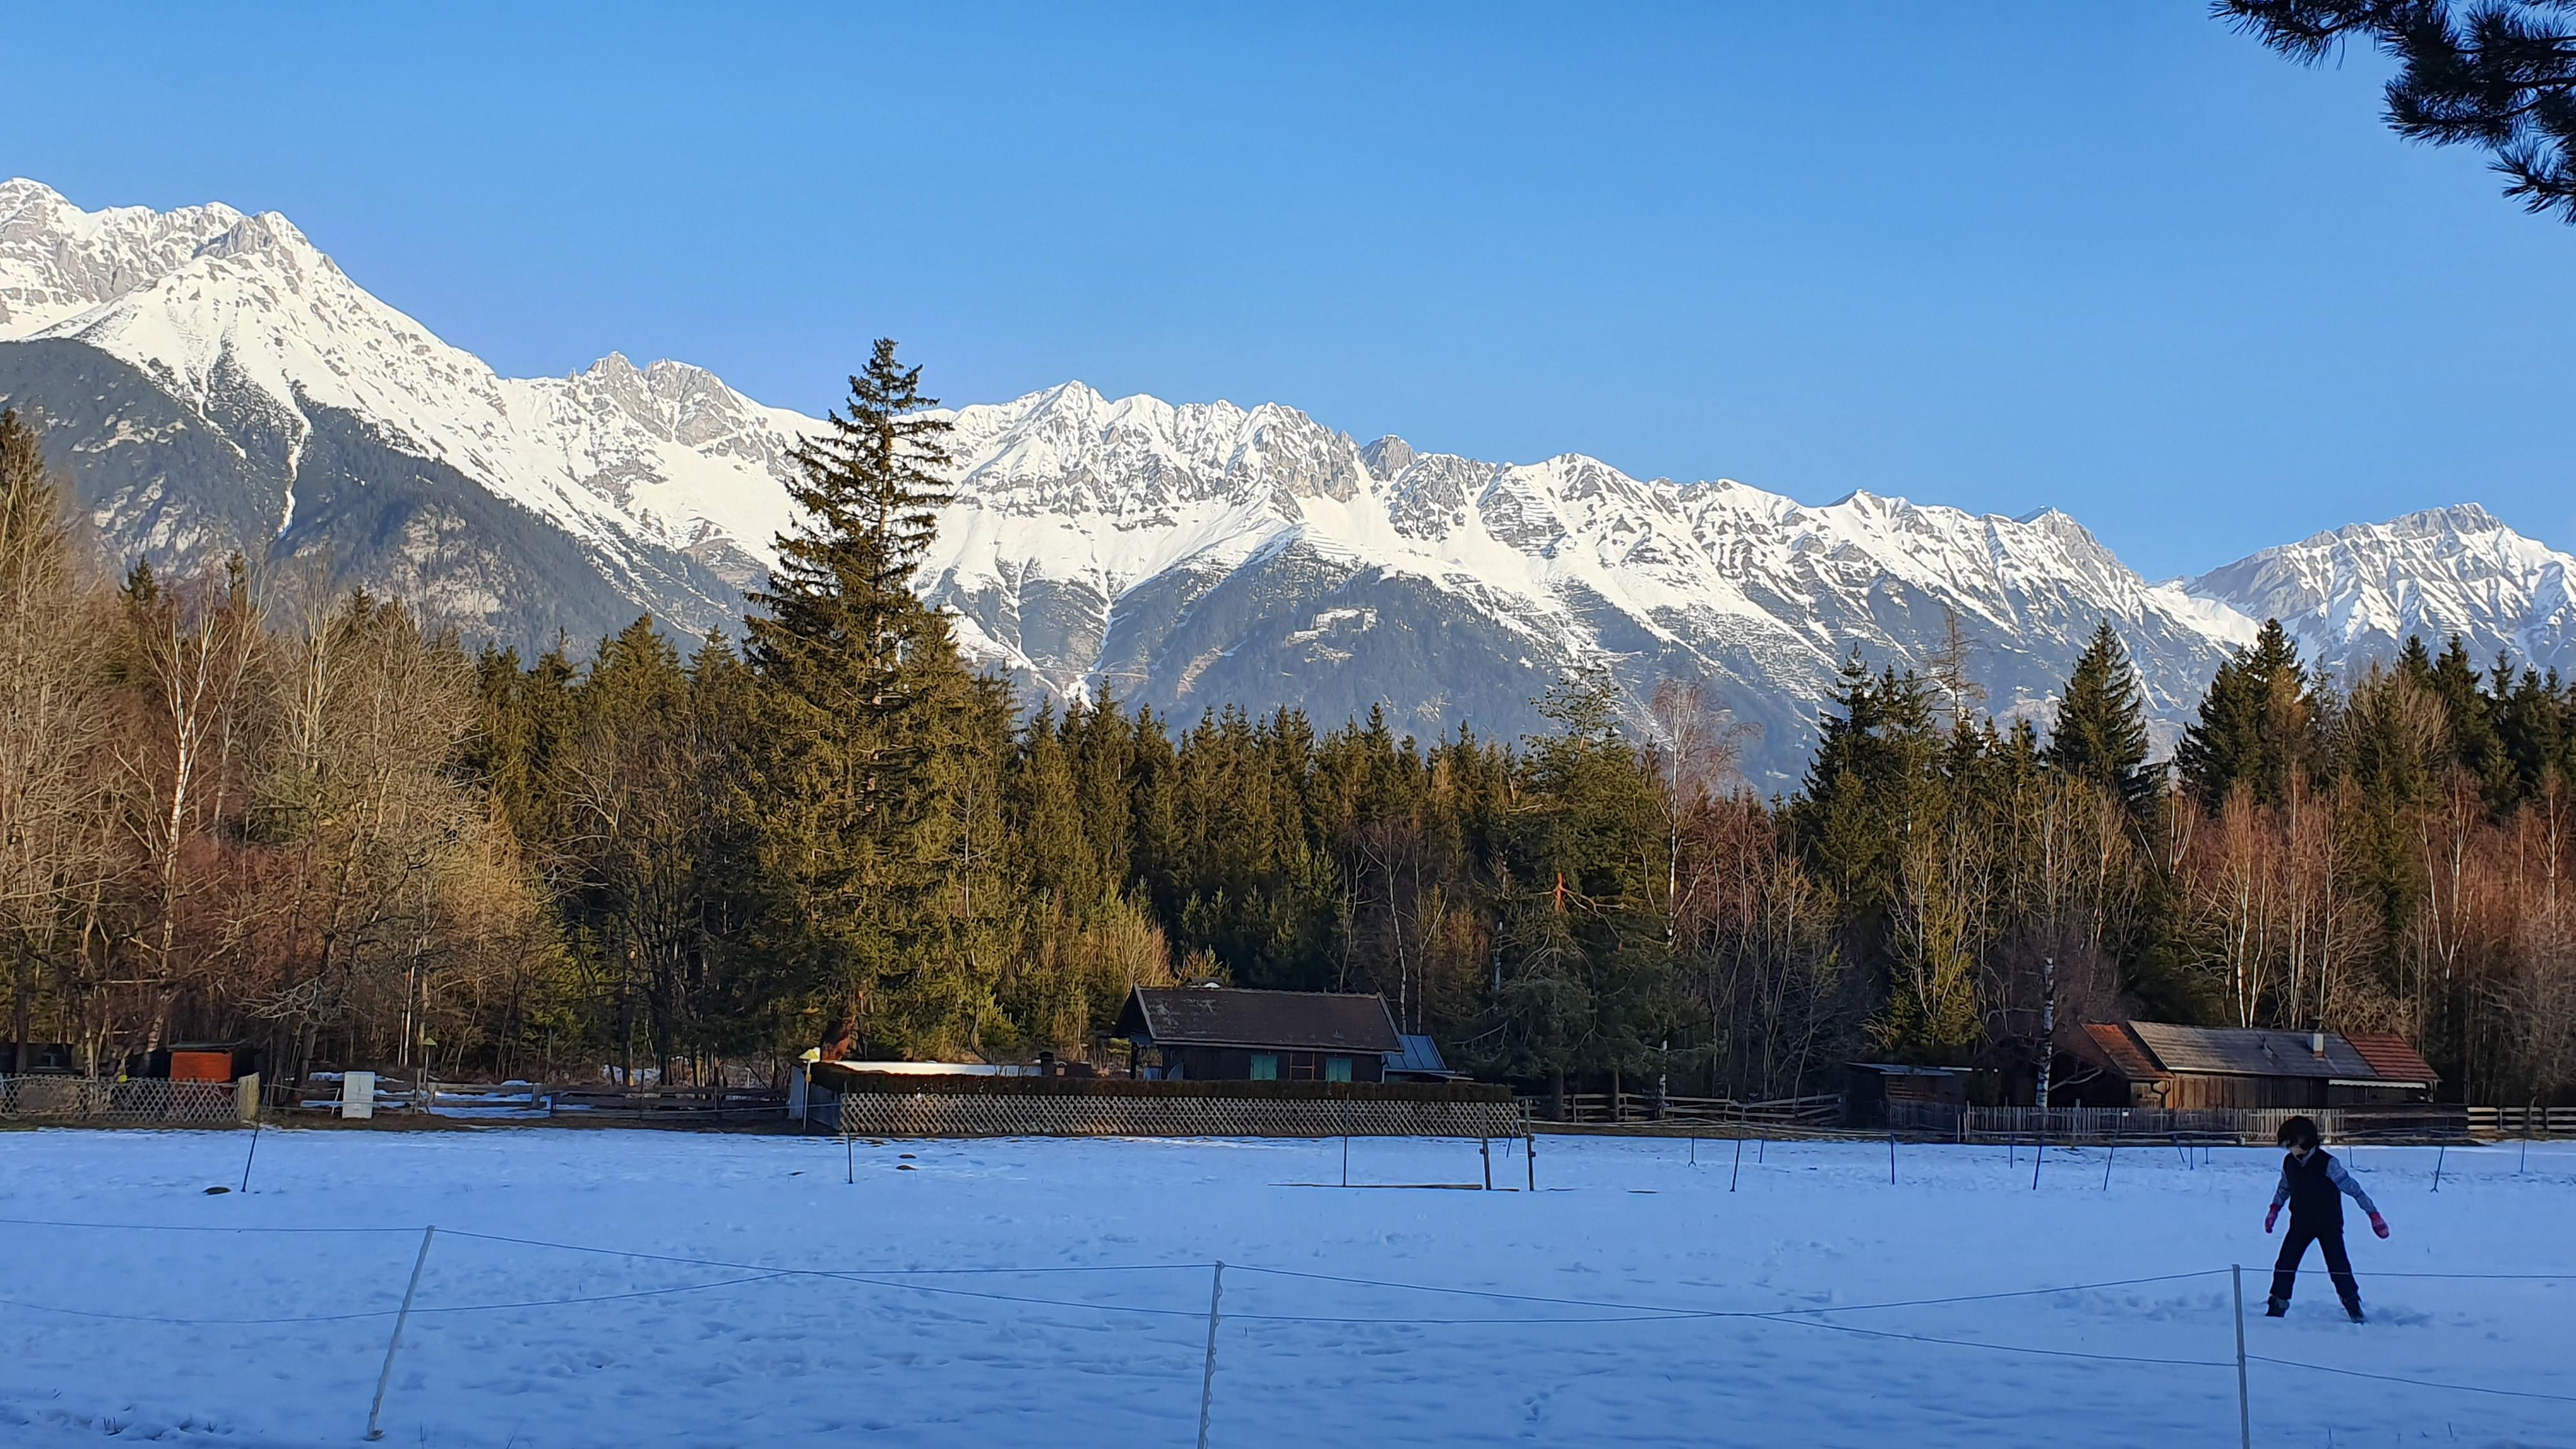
pixel 1265 1066
pixel 1337 1069
pixel 1301 1066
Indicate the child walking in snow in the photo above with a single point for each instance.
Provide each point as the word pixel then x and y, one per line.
pixel 2314 1184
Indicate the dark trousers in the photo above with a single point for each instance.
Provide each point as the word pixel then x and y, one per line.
pixel 2285 1269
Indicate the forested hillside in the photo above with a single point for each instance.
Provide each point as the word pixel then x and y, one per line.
pixel 233 806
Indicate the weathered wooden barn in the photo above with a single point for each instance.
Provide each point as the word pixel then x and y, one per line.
pixel 1221 1034
pixel 2154 1064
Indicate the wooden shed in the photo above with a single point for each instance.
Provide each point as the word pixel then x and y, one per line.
pixel 2156 1064
pixel 1221 1034
pixel 1870 1086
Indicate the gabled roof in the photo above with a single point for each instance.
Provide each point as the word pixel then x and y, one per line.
pixel 2393 1057
pixel 2122 1051
pixel 1226 1016
pixel 2250 1052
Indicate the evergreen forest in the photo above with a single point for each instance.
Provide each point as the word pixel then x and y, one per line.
pixel 237 806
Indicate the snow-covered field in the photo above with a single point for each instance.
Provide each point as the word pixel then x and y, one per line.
pixel 729 1290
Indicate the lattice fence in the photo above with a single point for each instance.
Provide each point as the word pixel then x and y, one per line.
pixel 887 1114
pixel 2252 1125
pixel 97 1099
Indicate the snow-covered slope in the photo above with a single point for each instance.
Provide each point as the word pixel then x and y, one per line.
pixel 2357 593
pixel 1091 534
pixel 216 307
pixel 212 381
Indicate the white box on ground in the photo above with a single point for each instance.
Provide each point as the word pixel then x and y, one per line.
pixel 358 1095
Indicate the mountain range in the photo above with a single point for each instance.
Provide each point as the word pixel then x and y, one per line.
pixel 210 381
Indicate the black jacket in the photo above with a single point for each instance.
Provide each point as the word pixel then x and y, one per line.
pixel 2315 1190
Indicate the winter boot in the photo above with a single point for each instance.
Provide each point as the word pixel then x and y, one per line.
pixel 2274 1308
pixel 2352 1310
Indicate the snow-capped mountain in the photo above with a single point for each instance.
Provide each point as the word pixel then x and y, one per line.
pixel 2357 593
pixel 228 386
pixel 212 381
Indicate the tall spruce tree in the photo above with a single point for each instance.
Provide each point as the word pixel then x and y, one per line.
pixel 861 691
pixel 2101 731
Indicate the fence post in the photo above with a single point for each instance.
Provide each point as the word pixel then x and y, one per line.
pixel 1207 1375
pixel 2438 1154
pixel 2038 1149
pixel 1485 1150
pixel 2244 1404
pixel 375 1430
pixel 2110 1157
pixel 252 1155
pixel 1891 1159
pixel 1529 1152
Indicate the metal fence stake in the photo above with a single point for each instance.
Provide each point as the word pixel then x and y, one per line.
pixel 375 1411
pixel 2438 1154
pixel 252 1155
pixel 2244 1403
pixel 1207 1375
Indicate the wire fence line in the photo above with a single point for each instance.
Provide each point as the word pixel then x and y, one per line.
pixel 2417 1383
pixel 1585 1311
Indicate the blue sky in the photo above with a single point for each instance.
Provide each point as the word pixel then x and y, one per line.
pixel 2108 257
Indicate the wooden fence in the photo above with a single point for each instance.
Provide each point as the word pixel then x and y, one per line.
pixel 2247 1126
pixel 1640 1108
pixel 2522 1121
pixel 525 1101
pixel 882 1106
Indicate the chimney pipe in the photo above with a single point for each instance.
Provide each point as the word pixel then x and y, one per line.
pixel 2317 1044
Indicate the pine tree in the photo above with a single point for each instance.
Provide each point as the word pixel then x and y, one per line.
pixel 861 693
pixel 2255 726
pixel 1587 983
pixel 2496 74
pixel 2101 731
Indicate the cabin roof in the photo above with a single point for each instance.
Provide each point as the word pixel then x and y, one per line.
pixel 2148 1050
pixel 2122 1050
pixel 1229 1016
pixel 2393 1057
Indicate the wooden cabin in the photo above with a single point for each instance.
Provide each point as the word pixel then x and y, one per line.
pixel 1222 1034
pixel 2154 1064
